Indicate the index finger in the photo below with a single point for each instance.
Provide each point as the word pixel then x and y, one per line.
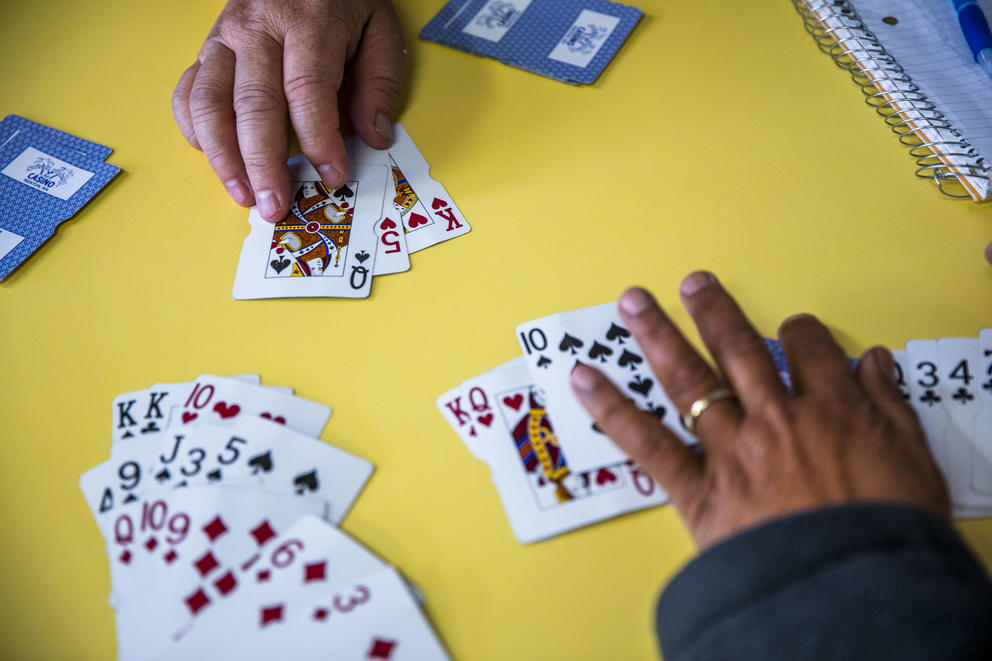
pixel 313 69
pixel 260 111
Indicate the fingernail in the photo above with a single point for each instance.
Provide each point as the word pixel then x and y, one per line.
pixel 384 127
pixel 238 191
pixel 696 281
pixel 583 377
pixel 332 176
pixel 798 317
pixel 268 204
pixel 886 363
pixel 635 301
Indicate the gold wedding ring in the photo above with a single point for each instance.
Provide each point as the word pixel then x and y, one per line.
pixel 703 403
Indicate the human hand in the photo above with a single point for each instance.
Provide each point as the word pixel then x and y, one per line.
pixel 266 60
pixel 843 436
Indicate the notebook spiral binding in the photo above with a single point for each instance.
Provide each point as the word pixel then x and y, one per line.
pixel 858 52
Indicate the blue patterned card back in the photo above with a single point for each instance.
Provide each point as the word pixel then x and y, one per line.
pixel 45 178
pixel 12 124
pixel 568 40
pixel 782 364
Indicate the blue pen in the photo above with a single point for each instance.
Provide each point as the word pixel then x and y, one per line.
pixel 976 32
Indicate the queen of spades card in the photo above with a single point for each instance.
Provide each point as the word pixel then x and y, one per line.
pixel 312 240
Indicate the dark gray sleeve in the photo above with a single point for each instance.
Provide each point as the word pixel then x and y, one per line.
pixel 865 581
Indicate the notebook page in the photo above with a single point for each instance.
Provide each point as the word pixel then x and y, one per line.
pixel 927 42
pixel 851 40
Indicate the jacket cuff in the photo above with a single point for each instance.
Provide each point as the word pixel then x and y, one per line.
pixel 771 557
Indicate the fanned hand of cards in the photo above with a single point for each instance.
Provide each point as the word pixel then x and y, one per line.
pixel 555 471
pixel 219 508
pixel 333 242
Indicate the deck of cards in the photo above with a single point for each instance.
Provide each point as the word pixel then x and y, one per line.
pixel 333 242
pixel 219 508
pixel 555 471
pixel 46 176
pixel 568 40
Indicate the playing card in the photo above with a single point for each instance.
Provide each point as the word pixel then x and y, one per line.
pixel 325 246
pixel 223 400
pixel 419 203
pixel 317 591
pixel 43 182
pixel 540 493
pixel 145 411
pixel 376 617
pixel 958 364
pixel 900 361
pixel 905 372
pixel 391 254
pixel 305 563
pixel 471 411
pixel 924 381
pixel 120 480
pixel 255 452
pixel 567 40
pixel 189 548
pixel 373 617
pixel 981 474
pixel 595 336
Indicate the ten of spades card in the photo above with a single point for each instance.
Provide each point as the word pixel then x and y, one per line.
pixel 595 336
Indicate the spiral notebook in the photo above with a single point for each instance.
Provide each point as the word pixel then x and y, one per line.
pixel 911 61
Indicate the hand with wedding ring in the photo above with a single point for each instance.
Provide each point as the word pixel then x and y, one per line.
pixel 841 436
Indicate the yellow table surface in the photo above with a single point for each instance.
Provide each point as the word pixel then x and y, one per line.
pixel 719 137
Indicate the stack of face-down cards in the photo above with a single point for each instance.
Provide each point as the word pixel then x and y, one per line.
pixel 334 241
pixel 46 176
pixel 219 507
pixel 567 40
pixel 555 471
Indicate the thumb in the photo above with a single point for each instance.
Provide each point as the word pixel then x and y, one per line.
pixel 375 77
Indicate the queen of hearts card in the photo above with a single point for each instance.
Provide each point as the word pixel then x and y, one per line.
pixel 538 447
